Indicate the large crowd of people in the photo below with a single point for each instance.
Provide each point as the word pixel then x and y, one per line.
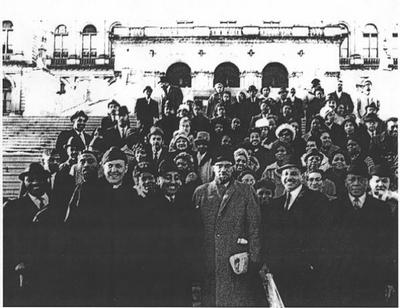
pixel 201 203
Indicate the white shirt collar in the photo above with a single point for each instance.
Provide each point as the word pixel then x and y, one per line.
pixel 36 200
pixel 361 199
pixel 294 194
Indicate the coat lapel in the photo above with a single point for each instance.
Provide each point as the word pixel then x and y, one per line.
pixel 299 197
pixel 226 197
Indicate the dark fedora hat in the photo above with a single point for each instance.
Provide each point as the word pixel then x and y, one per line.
pixel 123 110
pixel 252 88
pixel 163 79
pixel 315 82
pixel 358 168
pixel 223 156
pixel 382 170
pixel 34 169
pixel 370 117
pixel 78 114
pixel 290 162
pixel 282 90
pixel 113 102
pixel 148 88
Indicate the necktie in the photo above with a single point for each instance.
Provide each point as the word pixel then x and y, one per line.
pixel 357 203
pixel 41 204
pixel 287 202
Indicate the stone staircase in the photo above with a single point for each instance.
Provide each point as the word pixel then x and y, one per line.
pixel 25 138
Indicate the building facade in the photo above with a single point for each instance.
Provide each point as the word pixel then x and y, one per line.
pixel 55 68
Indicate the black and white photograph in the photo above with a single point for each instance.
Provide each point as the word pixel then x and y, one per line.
pixel 200 153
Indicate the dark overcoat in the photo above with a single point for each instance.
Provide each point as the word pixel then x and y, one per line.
pixel 293 246
pixel 225 218
pixel 361 242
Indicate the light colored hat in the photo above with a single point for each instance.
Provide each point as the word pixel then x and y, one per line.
pixel 325 111
pixel 284 126
pixel 261 123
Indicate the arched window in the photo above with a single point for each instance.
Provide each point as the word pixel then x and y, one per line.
pixel 88 44
pixel 344 51
pixel 7 29
pixel 6 96
pixel 228 74
pixel 110 35
pixel 370 41
pixel 275 75
pixel 60 50
pixel 179 74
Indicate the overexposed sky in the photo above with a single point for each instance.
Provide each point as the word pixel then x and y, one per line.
pixel 158 12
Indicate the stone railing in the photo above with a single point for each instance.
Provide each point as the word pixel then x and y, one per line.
pixel 227 31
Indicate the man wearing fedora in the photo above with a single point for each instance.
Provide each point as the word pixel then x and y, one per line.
pixel 78 120
pixel 30 274
pixel 146 110
pixel 117 135
pixel 293 229
pixel 361 238
pixel 171 93
pixel 231 244
pixel 253 101
pixel 110 120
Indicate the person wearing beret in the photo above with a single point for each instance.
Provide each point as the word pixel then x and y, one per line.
pixel 342 97
pixel 171 93
pixel 361 241
pixel 78 120
pixel 29 264
pixel 230 229
pixel 117 135
pixel 199 122
pixel 110 120
pixel 146 110
pixel 293 238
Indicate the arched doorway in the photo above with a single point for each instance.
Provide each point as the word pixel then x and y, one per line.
pixel 275 75
pixel 228 74
pixel 6 96
pixel 179 74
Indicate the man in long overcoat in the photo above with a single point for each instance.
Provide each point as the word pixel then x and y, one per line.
pixel 230 220
pixel 293 234
pixel 362 270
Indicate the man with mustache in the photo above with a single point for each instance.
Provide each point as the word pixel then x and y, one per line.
pixel 362 241
pixel 293 229
pixel 230 227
